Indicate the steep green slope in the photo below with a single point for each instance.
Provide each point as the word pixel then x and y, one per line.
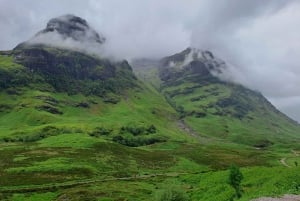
pixel 74 72
pixel 221 109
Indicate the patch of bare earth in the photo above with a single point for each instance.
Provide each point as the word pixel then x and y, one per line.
pixel 284 198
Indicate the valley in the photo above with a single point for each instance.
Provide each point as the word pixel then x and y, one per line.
pixel 78 126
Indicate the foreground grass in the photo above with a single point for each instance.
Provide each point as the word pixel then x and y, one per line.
pixel 212 185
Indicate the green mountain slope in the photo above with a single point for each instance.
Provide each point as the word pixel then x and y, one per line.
pixel 50 99
pixel 213 107
pixel 77 126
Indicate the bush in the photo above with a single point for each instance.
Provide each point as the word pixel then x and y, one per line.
pixel 100 131
pixel 172 193
pixel 151 129
pixel 37 135
pixel 136 141
pixel 139 130
pixel 134 136
pixel 235 179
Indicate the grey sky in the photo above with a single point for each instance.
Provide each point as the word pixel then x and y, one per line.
pixel 259 39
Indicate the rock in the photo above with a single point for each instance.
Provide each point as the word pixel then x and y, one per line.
pixel 50 109
pixel 284 198
pixel 191 61
pixel 83 105
pixel 70 26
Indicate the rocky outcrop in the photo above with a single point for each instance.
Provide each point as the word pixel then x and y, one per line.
pixel 191 61
pixel 56 62
pixel 70 26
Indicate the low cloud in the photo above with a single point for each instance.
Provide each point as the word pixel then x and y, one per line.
pixel 70 32
pixel 56 40
pixel 259 43
pixel 258 40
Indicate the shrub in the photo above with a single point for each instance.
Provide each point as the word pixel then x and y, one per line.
pixel 100 131
pixel 136 141
pixel 139 130
pixel 172 193
pixel 37 135
pixel 151 129
pixel 235 179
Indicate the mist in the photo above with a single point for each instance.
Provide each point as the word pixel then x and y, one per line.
pixel 258 41
pixel 259 44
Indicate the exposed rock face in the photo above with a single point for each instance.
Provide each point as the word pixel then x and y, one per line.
pixel 70 26
pixel 190 61
pixel 56 62
pixel 73 71
pixel 67 55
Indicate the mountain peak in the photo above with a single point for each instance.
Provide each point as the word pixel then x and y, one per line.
pixel 68 32
pixel 192 61
pixel 74 27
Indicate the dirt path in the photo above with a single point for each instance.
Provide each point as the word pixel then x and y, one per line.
pixel 183 126
pixel 295 152
pixel 284 198
pixel 186 128
pixel 126 98
pixel 283 162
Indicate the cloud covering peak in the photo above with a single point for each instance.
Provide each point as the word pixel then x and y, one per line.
pixel 71 26
pixel 69 31
pixel 259 41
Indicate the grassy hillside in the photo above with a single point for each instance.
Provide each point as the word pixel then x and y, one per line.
pixel 220 109
pixel 125 144
pixel 229 111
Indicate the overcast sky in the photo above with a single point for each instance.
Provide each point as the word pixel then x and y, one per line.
pixel 259 39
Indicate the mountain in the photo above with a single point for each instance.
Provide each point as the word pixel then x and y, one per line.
pixel 47 89
pixel 67 68
pixel 70 26
pixel 75 125
pixel 68 31
pixel 194 83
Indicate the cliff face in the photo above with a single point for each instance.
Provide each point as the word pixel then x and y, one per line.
pixel 190 62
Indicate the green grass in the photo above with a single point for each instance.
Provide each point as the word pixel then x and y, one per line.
pixel 6 62
pixel 50 165
pixel 49 196
pixel 257 182
pixel 76 140
pixel 137 108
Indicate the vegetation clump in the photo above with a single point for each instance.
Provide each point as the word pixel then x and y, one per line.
pixel 172 193
pixel 235 179
pixel 100 131
pixel 134 136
